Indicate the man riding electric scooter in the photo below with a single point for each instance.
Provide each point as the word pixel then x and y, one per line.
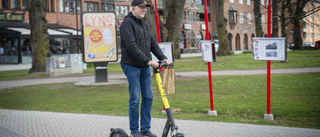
pixel 170 124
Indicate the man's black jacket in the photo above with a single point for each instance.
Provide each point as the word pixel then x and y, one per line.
pixel 137 42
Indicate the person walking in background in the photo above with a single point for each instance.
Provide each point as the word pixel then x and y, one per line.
pixel 136 44
pixel 181 46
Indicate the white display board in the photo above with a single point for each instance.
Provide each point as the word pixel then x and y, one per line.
pixel 208 52
pixel 166 48
pixel 268 49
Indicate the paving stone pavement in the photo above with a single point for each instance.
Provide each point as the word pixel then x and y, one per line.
pixel 19 123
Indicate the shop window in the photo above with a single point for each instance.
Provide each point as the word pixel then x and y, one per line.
pixel 26 47
pixel 75 48
pixel 121 10
pixel 60 45
pixel 107 7
pixel 90 6
pixel 25 4
pixel 9 50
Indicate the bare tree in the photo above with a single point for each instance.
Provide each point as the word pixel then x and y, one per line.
pixel 291 14
pixel 39 38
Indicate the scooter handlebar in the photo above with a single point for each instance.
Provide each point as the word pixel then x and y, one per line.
pixel 161 63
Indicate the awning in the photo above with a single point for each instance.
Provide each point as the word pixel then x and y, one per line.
pixel 56 32
pixel 72 31
pixel 53 29
pixel 23 31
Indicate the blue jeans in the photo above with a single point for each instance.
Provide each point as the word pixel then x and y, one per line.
pixel 139 79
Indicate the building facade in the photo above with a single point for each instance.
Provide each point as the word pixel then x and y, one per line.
pixel 311 24
pixel 241 23
pixel 64 24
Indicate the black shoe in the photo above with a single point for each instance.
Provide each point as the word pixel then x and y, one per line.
pixel 148 134
pixel 136 134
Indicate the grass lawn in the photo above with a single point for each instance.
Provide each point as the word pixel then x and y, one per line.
pixel 295 99
pixel 296 59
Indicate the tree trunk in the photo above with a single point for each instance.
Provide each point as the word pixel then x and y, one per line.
pixel 170 28
pixel 39 36
pixel 275 22
pixel 221 26
pixel 172 23
pixel 174 17
pixel 257 18
pixel 297 23
pixel 283 28
pixel 150 19
pixel 297 35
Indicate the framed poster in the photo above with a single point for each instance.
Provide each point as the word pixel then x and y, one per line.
pixel 166 48
pixel 62 62
pixel 208 51
pixel 99 37
pixel 268 49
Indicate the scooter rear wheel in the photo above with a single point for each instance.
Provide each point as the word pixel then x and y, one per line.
pixel 179 135
pixel 118 133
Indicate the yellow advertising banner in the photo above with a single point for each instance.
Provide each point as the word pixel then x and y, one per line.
pixel 99 37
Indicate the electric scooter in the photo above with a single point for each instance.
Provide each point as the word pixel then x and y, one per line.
pixel 170 125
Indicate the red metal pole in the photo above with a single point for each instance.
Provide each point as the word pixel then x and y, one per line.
pixel 158 29
pixel 209 64
pixel 269 63
pixel 157 21
pixel 210 86
pixel 206 19
pixel 268 89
